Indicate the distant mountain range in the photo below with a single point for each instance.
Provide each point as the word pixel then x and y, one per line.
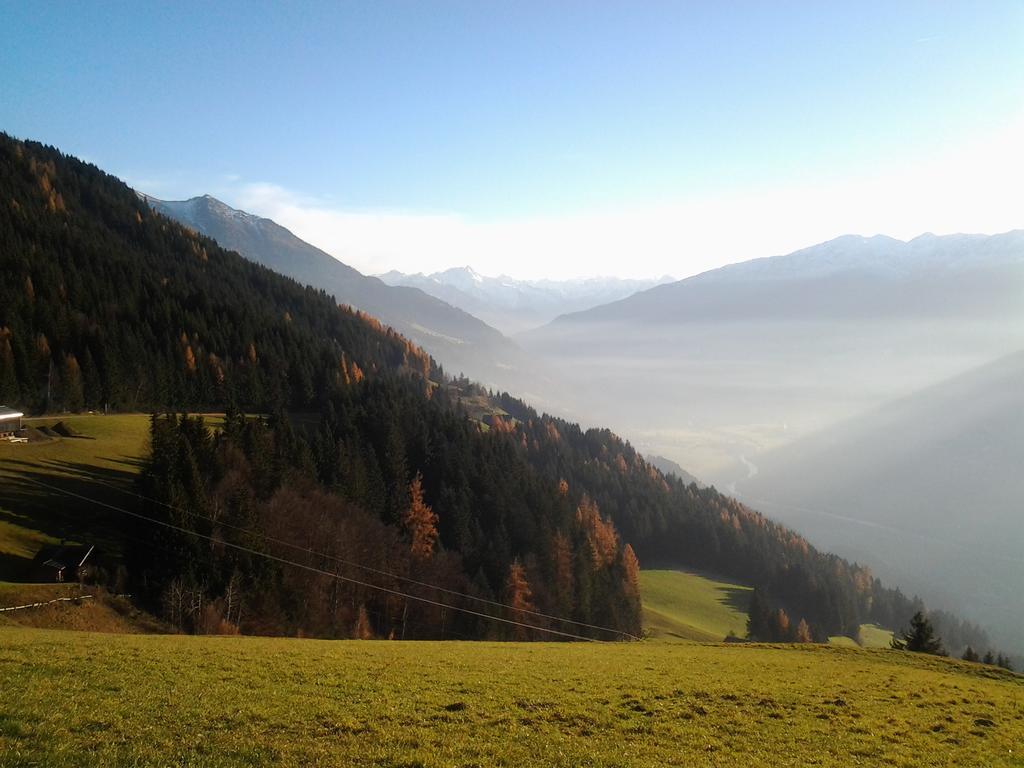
pixel 669 467
pixel 850 276
pixel 713 369
pixel 518 305
pixel 460 342
pixel 927 488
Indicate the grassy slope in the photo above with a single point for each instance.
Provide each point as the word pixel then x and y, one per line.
pixel 22 594
pixel 78 699
pixel 843 641
pixel 872 636
pixel 681 605
pixel 31 517
pixel 689 606
pixel 101 612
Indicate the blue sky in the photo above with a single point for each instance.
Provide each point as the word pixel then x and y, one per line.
pixel 442 130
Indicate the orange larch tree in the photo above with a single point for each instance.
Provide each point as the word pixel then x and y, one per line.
pixel 600 533
pixel 782 625
pixel 803 632
pixel 420 521
pixel 362 629
pixel 631 569
pixel 561 556
pixel 519 597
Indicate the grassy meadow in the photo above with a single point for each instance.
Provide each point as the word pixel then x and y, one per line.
pixel 82 699
pixel 683 605
pixel 872 636
pixel 31 517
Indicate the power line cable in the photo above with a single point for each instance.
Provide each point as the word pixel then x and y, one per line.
pixel 313 569
pixel 367 568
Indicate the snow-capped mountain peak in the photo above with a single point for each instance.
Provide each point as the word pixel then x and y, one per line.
pixel 515 305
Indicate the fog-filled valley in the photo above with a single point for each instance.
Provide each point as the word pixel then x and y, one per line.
pixel 822 388
pixel 927 489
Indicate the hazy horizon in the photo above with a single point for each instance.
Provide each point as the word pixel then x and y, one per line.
pixel 542 142
pixel 670 276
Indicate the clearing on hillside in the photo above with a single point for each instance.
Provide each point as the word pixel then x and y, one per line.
pixel 81 699
pixel 102 458
pixel 868 636
pixel 100 461
pixel 684 605
pixel 873 636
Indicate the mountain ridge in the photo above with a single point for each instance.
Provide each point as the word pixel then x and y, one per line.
pixel 929 483
pixel 459 341
pixel 859 258
pixel 517 305
pixel 754 355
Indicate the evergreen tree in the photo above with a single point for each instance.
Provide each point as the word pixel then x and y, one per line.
pixel 920 637
pixel 562 563
pixel 760 618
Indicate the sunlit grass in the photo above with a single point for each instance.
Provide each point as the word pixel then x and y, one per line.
pixel 872 636
pixel 77 699
pixel 32 517
pixel 691 606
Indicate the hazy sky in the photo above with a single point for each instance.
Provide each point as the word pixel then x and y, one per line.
pixel 545 139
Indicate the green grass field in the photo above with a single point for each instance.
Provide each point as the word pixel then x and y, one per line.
pixel 80 699
pixel 30 517
pixel 683 605
pixel 872 636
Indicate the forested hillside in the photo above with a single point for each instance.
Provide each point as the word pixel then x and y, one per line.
pixel 382 463
pixel 459 341
pixel 105 303
pixel 111 304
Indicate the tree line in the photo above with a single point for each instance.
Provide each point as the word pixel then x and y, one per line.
pixel 262 536
pixel 921 637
